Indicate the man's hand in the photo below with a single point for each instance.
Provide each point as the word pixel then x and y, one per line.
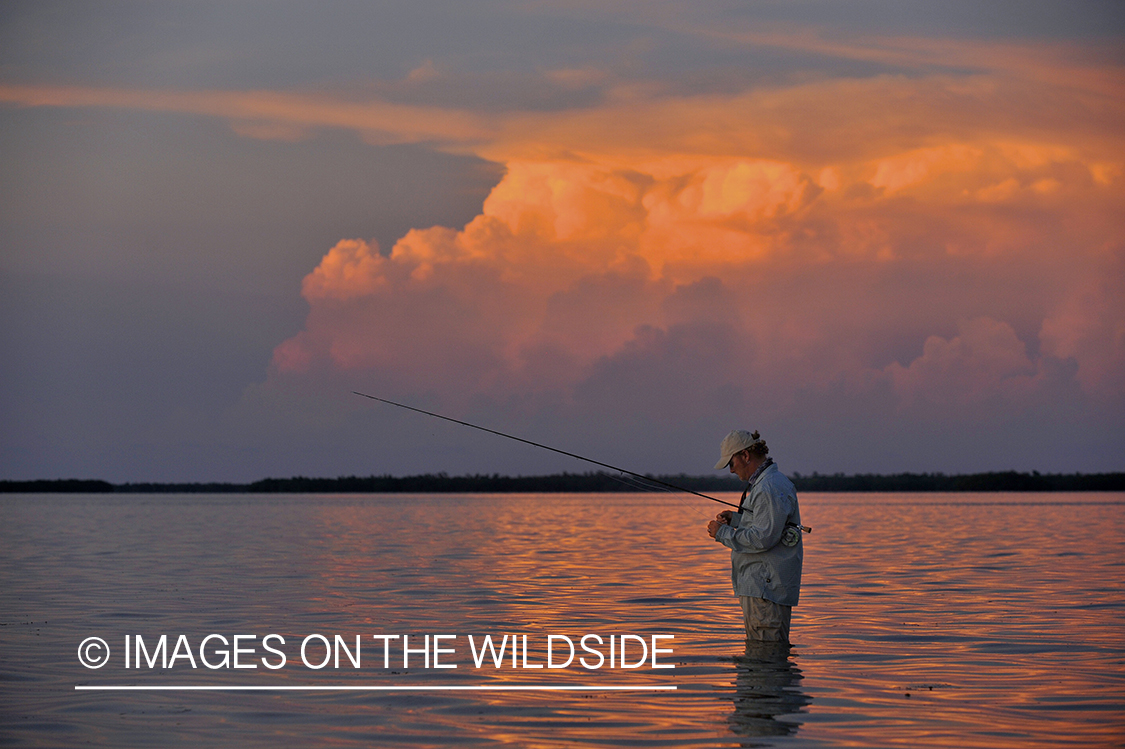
pixel 723 518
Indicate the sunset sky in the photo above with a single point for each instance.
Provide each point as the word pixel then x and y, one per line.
pixel 890 236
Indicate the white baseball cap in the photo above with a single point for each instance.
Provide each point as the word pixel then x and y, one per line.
pixel 735 442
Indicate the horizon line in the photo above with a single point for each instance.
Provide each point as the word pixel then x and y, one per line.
pixel 588 482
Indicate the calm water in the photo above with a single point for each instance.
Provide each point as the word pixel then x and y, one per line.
pixel 925 620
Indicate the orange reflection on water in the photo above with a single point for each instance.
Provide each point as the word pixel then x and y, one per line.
pixel 924 621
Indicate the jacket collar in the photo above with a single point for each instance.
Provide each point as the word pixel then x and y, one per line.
pixel 755 477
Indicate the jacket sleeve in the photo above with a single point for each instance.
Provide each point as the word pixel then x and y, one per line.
pixel 762 530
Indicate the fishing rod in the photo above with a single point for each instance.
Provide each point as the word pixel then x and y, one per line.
pixel 545 447
pixel 805 528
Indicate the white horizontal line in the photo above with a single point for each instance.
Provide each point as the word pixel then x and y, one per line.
pixel 336 688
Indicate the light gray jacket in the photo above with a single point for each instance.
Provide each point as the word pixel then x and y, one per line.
pixel 761 566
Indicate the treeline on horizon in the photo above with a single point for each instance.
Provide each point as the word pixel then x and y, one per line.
pixel 441 483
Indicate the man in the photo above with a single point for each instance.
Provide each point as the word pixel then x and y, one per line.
pixel 764 538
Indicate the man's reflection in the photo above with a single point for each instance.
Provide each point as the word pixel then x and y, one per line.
pixel 767 685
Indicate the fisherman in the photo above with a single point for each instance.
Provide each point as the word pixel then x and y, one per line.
pixel 764 537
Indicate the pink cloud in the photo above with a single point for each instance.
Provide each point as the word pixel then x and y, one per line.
pixel 985 359
pixel 923 270
pixel 1088 326
pixel 942 247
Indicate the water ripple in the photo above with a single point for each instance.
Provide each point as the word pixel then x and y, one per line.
pixel 955 620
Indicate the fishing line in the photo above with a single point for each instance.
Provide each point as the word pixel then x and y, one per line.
pixel 635 475
pixel 652 489
pixel 640 485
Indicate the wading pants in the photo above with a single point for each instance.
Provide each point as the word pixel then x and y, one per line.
pixel 766 621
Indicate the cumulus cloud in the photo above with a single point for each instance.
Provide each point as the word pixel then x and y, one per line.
pixel 985 360
pixel 937 247
pixel 651 284
pixel 665 268
pixel 667 262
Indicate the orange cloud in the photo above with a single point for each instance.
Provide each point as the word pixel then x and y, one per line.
pixel 937 243
pixel 1086 68
pixel 937 199
pixel 270 114
pixel 352 268
pixel 568 260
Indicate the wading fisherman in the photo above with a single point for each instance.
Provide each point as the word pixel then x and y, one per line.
pixel 764 538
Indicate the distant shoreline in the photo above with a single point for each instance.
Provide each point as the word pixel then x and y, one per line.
pixel 440 483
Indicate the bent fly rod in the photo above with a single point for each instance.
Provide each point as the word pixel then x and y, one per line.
pixel 640 476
